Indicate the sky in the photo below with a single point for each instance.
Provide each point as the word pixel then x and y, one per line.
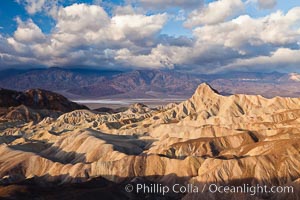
pixel 201 36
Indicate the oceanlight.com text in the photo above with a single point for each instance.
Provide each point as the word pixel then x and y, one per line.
pixel 161 189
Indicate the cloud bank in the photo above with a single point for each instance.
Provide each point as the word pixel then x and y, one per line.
pixel 223 37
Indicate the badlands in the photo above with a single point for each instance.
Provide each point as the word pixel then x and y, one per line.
pixel 207 139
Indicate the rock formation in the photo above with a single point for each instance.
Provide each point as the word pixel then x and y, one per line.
pixel 209 138
pixel 34 105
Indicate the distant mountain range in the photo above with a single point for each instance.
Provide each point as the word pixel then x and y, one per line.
pixel 89 83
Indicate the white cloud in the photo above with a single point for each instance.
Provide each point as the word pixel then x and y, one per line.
pixel 83 33
pixel 215 12
pixel 138 26
pixel 266 4
pixel 19 47
pixel 243 32
pixel 80 18
pixel 32 6
pixel 83 25
pixel 35 6
pixel 28 32
pixel 181 16
pixel 241 39
pixel 281 59
pixel 162 4
pixel 86 35
pixel 124 10
pixel 152 60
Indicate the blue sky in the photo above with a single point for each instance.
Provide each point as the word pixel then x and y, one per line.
pixel 10 9
pixel 203 36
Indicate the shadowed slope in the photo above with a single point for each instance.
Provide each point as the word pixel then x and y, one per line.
pixel 208 138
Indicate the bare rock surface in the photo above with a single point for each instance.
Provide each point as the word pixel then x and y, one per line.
pixel 208 138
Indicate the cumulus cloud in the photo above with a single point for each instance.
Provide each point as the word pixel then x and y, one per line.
pixel 83 25
pixel 266 4
pixel 79 18
pixel 275 29
pixel 215 12
pixel 283 59
pixel 84 34
pixel 138 26
pixel 232 42
pixel 249 38
pixel 126 10
pixel 42 6
pixel 33 6
pixel 162 4
pixel 28 32
pixel 87 35
pixel 153 60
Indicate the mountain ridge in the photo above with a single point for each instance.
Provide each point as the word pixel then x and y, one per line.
pixel 83 84
pixel 34 104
